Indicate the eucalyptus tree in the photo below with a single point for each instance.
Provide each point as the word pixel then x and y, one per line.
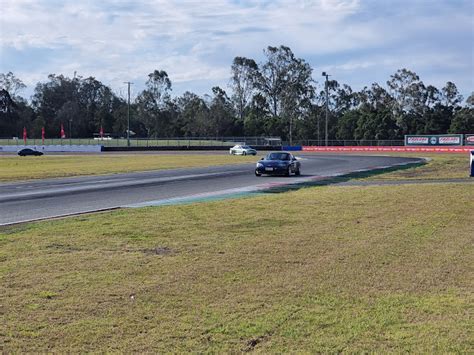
pixel 152 102
pixel 243 83
pixel 463 120
pixel 258 120
pixel 15 112
pixel 193 114
pixel 450 95
pixel 375 116
pixel 55 102
pixel 11 84
pixel 221 114
pixel 285 81
pixel 409 95
pixel 97 103
pixel 8 118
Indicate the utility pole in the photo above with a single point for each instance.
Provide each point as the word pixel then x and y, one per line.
pixel 128 113
pixel 327 104
pixel 291 129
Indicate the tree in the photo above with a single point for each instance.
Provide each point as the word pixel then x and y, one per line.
pixel 470 101
pixel 193 115
pixel 84 104
pixel 409 95
pixel 347 125
pixel 450 95
pixel 285 82
pixel 257 119
pixel 152 104
pixel 11 84
pixel 463 121
pixel 50 97
pixel 221 115
pixel 243 82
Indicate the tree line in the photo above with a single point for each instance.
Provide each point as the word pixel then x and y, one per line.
pixel 277 97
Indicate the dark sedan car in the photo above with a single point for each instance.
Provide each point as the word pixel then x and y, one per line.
pixel 28 151
pixel 278 163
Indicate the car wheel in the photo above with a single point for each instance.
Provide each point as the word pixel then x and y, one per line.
pixel 257 173
pixel 244 153
pixel 298 172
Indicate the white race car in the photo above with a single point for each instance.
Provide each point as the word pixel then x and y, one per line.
pixel 242 150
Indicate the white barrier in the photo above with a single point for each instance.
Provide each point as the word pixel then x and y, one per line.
pixel 53 148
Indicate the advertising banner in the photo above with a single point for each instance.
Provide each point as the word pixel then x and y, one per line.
pixel 443 140
pixel 427 149
pixel 469 139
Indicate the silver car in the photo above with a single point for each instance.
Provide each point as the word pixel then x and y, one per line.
pixel 242 150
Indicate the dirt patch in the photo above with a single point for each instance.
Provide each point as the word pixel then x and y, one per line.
pixel 62 247
pixel 158 251
pixel 252 343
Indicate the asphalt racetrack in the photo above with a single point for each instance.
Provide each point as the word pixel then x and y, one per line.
pixel 40 199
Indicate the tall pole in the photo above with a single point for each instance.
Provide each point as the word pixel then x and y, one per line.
pixel 128 114
pixel 327 105
pixel 291 129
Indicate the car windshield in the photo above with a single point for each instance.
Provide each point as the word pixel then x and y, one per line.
pixel 278 156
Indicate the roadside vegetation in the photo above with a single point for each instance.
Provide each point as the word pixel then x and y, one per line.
pixel 330 269
pixel 253 105
pixel 50 166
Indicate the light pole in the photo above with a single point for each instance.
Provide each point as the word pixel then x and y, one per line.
pixel 327 104
pixel 128 114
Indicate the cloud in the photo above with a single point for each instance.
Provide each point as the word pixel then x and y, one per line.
pixel 196 41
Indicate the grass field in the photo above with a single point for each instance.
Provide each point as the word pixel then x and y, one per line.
pixel 322 269
pixel 14 168
pixel 439 166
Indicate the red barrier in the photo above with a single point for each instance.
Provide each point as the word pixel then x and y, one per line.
pixel 388 149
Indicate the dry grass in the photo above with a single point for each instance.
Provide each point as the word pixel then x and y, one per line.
pixel 22 168
pixel 439 166
pixel 325 269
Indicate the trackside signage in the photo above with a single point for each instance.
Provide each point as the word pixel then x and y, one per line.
pixel 469 139
pixel 442 140
pixel 428 149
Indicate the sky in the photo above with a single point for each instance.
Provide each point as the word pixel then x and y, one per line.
pixel 358 42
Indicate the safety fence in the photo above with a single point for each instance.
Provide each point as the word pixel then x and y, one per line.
pixel 147 142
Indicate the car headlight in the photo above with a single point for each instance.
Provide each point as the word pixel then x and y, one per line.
pixel 259 165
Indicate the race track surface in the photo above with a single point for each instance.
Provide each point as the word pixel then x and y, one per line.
pixel 39 199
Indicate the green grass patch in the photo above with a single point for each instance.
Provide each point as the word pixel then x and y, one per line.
pixel 22 168
pixel 438 167
pixel 322 269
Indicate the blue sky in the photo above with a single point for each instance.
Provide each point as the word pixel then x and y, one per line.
pixel 358 42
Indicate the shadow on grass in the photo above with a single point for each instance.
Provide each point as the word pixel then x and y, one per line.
pixel 337 179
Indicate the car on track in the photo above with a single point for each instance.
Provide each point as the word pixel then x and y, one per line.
pixel 278 163
pixel 242 150
pixel 28 151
